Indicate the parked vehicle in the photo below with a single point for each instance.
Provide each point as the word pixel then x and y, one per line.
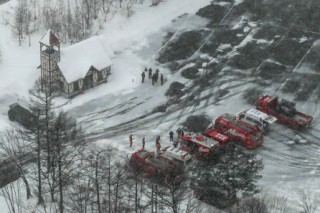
pixel 256 117
pixel 284 111
pixel 176 155
pixel 21 115
pixel 251 136
pixel 153 164
pixel 203 145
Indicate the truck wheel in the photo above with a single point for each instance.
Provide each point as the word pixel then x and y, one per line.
pixel 302 128
pixel 290 125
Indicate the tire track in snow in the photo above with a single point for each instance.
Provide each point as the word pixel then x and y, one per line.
pixel 143 122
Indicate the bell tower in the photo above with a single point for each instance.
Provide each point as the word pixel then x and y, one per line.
pixel 50 56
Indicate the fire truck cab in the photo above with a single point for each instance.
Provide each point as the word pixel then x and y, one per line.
pixel 256 117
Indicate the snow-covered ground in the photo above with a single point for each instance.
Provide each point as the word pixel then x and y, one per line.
pixel 110 112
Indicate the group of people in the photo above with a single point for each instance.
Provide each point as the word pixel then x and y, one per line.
pixel 158 146
pixel 153 76
pixel 131 141
pixel 179 132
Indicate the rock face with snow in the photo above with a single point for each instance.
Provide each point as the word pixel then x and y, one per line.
pixel 75 68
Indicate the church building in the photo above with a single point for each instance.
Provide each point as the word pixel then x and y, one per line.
pixel 76 68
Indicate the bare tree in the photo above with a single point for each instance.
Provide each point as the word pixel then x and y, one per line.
pixel 64 132
pixel 252 205
pixel 192 203
pixel 13 197
pixel 118 186
pixel 52 133
pixel 174 194
pixel 310 202
pixel 278 205
pixel 19 16
pixel 22 20
pixel 106 5
pixel 108 175
pixel 128 6
pixel 42 102
pixel 27 20
pixel 81 189
pixel 87 7
pixel 79 31
pixel 36 135
pixel 41 98
pixel 17 150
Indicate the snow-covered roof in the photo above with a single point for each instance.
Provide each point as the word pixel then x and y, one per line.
pixel 49 38
pixel 77 59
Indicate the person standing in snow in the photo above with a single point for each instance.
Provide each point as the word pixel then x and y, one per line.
pixel 179 132
pixel 158 147
pixel 153 79
pixel 145 69
pixel 175 144
pixel 143 142
pixel 161 79
pixel 156 76
pixel 158 139
pixel 171 136
pixel 143 76
pixel 150 73
pixel 131 140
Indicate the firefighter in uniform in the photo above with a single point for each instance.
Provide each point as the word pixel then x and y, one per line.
pixel 179 132
pixel 158 139
pixel 171 136
pixel 161 79
pixel 175 143
pixel 158 146
pixel 131 140
pixel 143 76
pixel 143 142
pixel 153 78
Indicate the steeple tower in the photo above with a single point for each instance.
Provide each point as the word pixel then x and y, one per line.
pixel 50 56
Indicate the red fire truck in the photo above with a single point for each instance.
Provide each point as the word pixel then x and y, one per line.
pixel 251 136
pixel 168 161
pixel 203 145
pixel 284 111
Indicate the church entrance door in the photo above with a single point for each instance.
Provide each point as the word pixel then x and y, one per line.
pixel 88 81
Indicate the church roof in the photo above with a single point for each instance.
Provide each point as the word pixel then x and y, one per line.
pixel 77 59
pixel 49 38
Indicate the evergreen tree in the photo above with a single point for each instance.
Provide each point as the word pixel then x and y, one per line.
pixel 221 182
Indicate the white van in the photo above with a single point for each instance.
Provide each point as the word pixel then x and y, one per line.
pixel 256 117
